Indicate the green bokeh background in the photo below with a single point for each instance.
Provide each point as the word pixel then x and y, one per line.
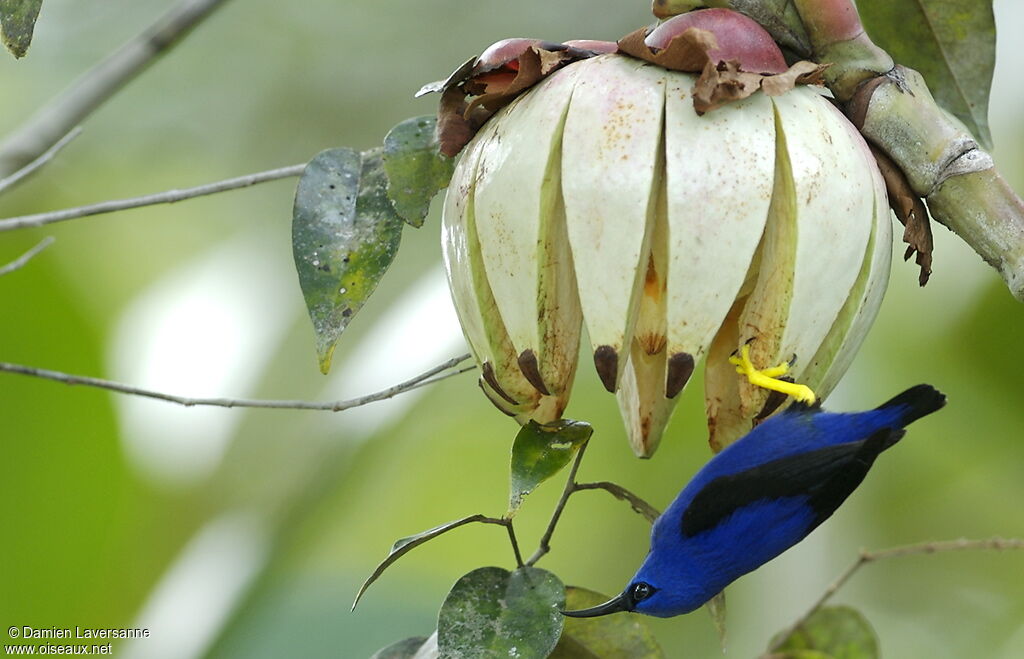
pixel 85 535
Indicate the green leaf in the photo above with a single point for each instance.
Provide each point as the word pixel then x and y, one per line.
pixel 621 636
pixel 17 22
pixel 833 632
pixel 952 43
pixel 405 649
pixel 344 237
pixel 415 167
pixel 541 451
pixel 403 546
pixel 492 612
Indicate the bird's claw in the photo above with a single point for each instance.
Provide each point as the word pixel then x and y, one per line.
pixel 768 378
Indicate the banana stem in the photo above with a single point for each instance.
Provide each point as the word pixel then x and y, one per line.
pixel 982 209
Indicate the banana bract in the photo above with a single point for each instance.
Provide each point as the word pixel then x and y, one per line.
pixel 600 199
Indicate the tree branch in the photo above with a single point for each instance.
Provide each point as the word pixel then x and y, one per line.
pixel 31 168
pixel 649 512
pixel 101 82
pixel 641 507
pixel 435 374
pixel 515 543
pixel 866 557
pixel 570 486
pixel 168 197
pixel 21 261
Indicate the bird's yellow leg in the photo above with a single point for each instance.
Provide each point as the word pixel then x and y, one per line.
pixel 768 378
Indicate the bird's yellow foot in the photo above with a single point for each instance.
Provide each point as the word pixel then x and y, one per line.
pixel 768 378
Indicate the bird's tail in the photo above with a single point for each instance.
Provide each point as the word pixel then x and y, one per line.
pixel 915 402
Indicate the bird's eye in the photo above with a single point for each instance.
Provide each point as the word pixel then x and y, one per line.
pixel 641 591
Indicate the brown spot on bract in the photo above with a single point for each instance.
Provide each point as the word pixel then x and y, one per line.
pixel 606 359
pixel 488 375
pixel 680 369
pixel 531 371
pixel 652 286
pixel 652 342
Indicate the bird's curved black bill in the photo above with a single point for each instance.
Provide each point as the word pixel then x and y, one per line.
pixel 614 605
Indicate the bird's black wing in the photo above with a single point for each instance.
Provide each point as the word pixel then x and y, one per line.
pixel 826 476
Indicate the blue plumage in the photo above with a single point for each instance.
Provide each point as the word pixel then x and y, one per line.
pixel 759 497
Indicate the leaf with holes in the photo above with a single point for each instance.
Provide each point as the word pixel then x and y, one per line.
pixel 541 451
pixel 492 612
pixel 625 635
pixel 344 237
pixel 17 22
pixel 952 43
pixel 415 167
pixel 833 632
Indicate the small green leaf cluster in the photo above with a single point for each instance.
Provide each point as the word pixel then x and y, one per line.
pixel 350 210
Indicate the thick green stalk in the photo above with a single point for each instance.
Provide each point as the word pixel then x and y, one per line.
pixel 837 36
pixel 982 209
pixel 893 108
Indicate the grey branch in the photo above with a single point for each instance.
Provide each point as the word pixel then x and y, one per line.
pixel 963 544
pixel 639 506
pixel 167 197
pixel 21 261
pixel 101 82
pixel 435 374
pixel 31 168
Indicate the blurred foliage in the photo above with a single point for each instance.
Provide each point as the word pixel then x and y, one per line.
pixel 87 535
pixel 833 632
pixel 619 636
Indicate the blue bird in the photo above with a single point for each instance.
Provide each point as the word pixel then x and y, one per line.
pixel 759 497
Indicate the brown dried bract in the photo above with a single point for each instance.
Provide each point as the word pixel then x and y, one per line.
pixel 910 211
pixel 686 52
pixel 474 92
pixel 725 82
pixel 720 82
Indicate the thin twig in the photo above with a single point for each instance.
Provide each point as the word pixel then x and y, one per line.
pixel 435 374
pixel 21 261
pixel 570 486
pixel 101 82
pixel 167 197
pixel 649 512
pixel 866 557
pixel 515 543
pixel 31 168
pixel 405 545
